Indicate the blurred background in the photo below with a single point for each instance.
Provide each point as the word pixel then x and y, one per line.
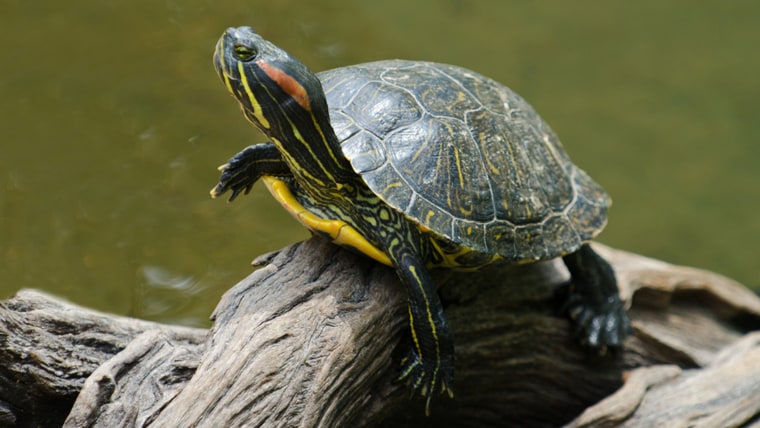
pixel 113 121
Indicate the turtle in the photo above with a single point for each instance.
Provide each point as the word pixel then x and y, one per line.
pixel 420 165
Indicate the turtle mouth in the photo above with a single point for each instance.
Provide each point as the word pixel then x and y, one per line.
pixel 221 62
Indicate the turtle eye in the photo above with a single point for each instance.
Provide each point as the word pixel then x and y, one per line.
pixel 244 53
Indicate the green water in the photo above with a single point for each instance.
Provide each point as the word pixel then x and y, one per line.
pixel 112 122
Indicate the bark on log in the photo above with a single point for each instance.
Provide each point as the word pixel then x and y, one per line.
pixel 48 348
pixel 314 338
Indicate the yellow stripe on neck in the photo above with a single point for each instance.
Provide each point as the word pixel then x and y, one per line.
pixel 257 112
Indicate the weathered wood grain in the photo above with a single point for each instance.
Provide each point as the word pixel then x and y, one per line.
pixel 314 338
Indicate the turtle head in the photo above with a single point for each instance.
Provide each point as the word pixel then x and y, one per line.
pixel 274 89
pixel 286 102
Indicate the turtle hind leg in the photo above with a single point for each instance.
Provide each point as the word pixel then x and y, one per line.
pixel 593 301
pixel 429 366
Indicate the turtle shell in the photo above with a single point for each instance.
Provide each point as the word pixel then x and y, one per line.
pixel 464 157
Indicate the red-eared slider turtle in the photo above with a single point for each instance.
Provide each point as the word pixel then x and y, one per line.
pixel 420 165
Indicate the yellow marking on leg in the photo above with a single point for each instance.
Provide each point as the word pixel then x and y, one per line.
pixel 413 270
pixel 414 333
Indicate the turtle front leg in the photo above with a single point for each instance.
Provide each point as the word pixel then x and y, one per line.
pixel 593 302
pixel 429 366
pixel 245 168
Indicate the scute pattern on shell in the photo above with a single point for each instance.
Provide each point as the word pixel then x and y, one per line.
pixel 463 156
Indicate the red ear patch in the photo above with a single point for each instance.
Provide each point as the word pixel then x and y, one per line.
pixel 287 83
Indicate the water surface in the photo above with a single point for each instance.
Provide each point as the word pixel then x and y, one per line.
pixel 113 122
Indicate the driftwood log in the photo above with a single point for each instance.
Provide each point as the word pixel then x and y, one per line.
pixel 314 338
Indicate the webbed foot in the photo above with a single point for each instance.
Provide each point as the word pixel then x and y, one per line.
pixel 241 172
pixel 593 302
pixel 427 377
pixel 598 325
pixel 238 175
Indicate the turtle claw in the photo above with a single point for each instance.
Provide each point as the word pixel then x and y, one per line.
pixel 424 377
pixel 593 302
pixel 598 326
pixel 238 175
pixel 237 188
